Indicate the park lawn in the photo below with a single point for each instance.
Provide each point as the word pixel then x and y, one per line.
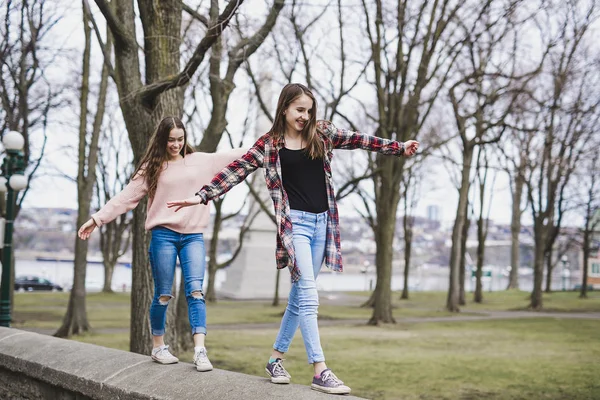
pixel 112 311
pixel 538 358
pixel 511 300
pixel 47 310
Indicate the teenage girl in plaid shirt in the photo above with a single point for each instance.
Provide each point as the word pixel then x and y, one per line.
pixel 296 156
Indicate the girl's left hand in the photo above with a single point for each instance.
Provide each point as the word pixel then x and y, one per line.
pixel 410 147
pixel 179 204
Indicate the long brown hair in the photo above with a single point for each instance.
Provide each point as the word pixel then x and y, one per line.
pixel 290 92
pixel 151 164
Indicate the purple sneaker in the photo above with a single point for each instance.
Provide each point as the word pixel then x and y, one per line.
pixel 329 383
pixel 276 371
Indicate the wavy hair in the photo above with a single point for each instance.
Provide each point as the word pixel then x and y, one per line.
pixel 290 92
pixel 151 164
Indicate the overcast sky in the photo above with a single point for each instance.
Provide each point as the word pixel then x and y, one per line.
pixel 52 190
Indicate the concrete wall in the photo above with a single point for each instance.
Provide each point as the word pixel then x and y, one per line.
pixel 34 366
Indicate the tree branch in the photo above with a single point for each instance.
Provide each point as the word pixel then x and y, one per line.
pixel 148 92
pixel 195 14
pixel 115 26
pixel 103 46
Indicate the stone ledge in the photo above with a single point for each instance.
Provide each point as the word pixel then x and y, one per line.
pixel 82 371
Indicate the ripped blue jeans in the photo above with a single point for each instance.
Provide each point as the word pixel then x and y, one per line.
pixel 310 233
pixel 165 246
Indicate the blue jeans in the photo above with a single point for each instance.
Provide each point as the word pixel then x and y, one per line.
pixel 165 246
pixel 310 235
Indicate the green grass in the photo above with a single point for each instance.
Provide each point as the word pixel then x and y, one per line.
pixel 514 359
pixel 106 311
pixel 533 358
pixel 46 310
pixel 511 300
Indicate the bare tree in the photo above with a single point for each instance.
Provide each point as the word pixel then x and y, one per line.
pixel 115 236
pixel 75 320
pixel 411 182
pixel 482 170
pixel 408 74
pixel 565 102
pixel 482 100
pixel 515 153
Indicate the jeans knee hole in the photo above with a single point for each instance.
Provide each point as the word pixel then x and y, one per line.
pixel 164 300
pixel 197 294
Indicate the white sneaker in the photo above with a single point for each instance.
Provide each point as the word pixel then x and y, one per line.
pixel 162 355
pixel 202 362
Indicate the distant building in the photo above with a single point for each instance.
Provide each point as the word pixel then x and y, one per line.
pixel 594 260
pixel 433 213
pixel 593 269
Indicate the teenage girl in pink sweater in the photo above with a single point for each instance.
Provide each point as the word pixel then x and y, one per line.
pixel 166 172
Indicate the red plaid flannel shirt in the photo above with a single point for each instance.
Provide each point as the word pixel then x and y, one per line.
pixel 265 154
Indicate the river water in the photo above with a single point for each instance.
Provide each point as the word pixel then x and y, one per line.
pixel 422 279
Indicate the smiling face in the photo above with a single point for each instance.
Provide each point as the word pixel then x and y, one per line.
pixel 298 113
pixel 175 143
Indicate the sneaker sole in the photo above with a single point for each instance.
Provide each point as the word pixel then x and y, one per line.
pixel 330 390
pixel 163 361
pixel 203 369
pixel 281 380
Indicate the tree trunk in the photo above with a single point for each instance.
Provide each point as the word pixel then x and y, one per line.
pixel 185 341
pixel 213 251
pixel 276 295
pixel 549 268
pixel 386 207
pixel 211 293
pixel 408 234
pixel 478 296
pixel 162 25
pixel 111 244
pixel 541 234
pixel 452 302
pixel 140 339
pixel 382 311
pixel 586 260
pixel 75 321
pixel 109 269
pixel 515 230
pixel 462 269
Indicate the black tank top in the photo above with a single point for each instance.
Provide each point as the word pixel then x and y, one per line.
pixel 303 181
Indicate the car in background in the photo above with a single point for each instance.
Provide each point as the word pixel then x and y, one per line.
pixel 33 283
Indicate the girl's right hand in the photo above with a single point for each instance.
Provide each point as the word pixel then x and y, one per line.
pixel 86 229
pixel 179 204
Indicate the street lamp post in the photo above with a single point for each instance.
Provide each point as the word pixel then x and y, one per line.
pixel 12 181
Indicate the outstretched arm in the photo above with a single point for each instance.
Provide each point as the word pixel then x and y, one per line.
pixel 349 140
pixel 225 180
pixel 121 203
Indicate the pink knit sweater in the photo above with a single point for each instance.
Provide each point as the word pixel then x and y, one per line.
pixel 178 180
